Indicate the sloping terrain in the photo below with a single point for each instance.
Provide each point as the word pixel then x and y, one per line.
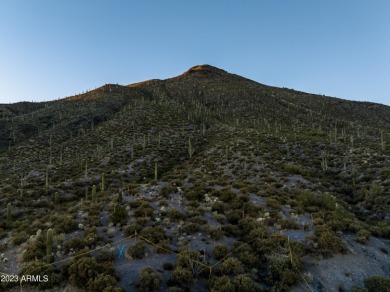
pixel 213 181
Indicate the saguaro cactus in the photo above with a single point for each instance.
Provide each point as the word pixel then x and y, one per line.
pixel 49 245
pixel 382 141
pixel 103 183
pixel 155 169
pixel 93 193
pixel 86 169
pixel 190 149
pixel 47 180
pixel 9 214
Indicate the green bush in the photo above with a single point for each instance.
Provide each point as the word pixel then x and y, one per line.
pixel 64 224
pixel 154 234
pixel 137 250
pixel 214 232
pixel 231 266
pixel 36 249
pixel 244 283
pixel 19 238
pixel 294 169
pixel 221 284
pixel 226 195
pixel 132 228
pixel 218 207
pixel 149 280
pixel 144 210
pixel 313 202
pixel 233 216
pixel 328 242
pixel 190 228
pixel 102 283
pixel 175 215
pixel 119 215
pixel 363 236
pixel 181 277
pixel 377 283
pixel 220 251
pixel 81 270
pixel 288 224
pixel 39 268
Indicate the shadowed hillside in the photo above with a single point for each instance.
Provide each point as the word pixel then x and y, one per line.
pixel 183 172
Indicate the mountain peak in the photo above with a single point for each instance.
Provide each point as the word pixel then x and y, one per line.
pixel 205 70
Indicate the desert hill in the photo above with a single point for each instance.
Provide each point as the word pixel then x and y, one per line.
pixel 199 164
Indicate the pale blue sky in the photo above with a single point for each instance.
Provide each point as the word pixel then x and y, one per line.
pixel 53 49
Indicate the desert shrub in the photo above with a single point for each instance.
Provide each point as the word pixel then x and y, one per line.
pixel 134 204
pixel 101 282
pixel 236 203
pixel 154 234
pixel 288 224
pixel 118 215
pixel 249 258
pixel 219 218
pixel 19 238
pixel 198 220
pixel 280 273
pixel 166 190
pixel 105 256
pixel 39 268
pixel 313 202
pixel 137 250
pixel 75 244
pixel 176 215
pixel 226 195
pixel 181 277
pixel 363 236
pixel 64 224
pixel 377 283
pixel 220 251
pixel 214 232
pixel 36 249
pixel 163 246
pixel 294 169
pixel 273 203
pixel 82 269
pixel 218 207
pixel 233 216
pixel 230 229
pixel 92 237
pixel 132 228
pixel 149 280
pixel 328 242
pixel 231 266
pixel 222 284
pixel 246 225
pixel 244 283
pixel 144 210
pixel 190 228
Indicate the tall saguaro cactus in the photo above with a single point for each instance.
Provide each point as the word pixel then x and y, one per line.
pixel 103 183
pixel 155 169
pixel 49 245
pixel 9 214
pixel 47 180
pixel 93 193
pixel 382 141
pixel 190 148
